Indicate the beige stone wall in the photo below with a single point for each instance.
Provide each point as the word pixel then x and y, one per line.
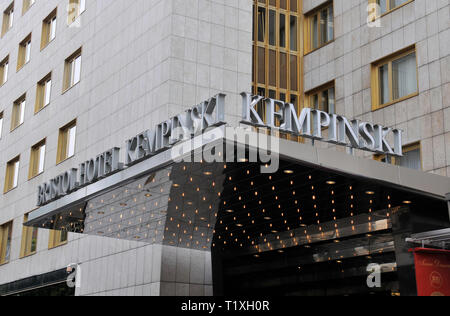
pixel 142 61
pixel 347 60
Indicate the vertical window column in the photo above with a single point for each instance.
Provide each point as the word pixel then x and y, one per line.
pixel 277 57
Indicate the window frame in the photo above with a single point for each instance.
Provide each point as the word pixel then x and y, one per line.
pixel 73 16
pixel 3 241
pixel 41 93
pixel 18 110
pixel 47 29
pixel 20 103
pixel 54 238
pixel 388 8
pixel 10 174
pixel 308 29
pixel 7 24
pixel 1 124
pixel 4 70
pixel 311 93
pixel 62 152
pixel 35 159
pixel 406 148
pixel 27 239
pixel 68 70
pixel 26 5
pixel 23 50
pixel 375 78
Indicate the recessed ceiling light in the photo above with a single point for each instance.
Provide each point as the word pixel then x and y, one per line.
pixel 175 185
pixel 274 231
pixel 256 256
pixel 207 173
pixel 280 251
pixel 288 171
pixel 267 218
pixel 239 225
pixel 370 192
pixel 407 202
pixel 331 182
pixel 148 195
pixel 243 160
pixel 229 211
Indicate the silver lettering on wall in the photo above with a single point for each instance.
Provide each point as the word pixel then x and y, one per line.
pixel 211 113
pixel 193 122
pixel 310 124
pixel 89 172
pixel 166 134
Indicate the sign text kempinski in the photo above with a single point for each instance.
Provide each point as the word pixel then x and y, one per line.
pixel 310 124
pixel 211 113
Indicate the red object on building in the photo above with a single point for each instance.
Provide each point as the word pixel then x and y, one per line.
pixel 432 271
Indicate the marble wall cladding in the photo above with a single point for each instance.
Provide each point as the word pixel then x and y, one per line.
pixel 347 60
pixel 142 61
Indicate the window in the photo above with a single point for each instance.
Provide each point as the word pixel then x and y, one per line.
pixel 386 6
pixel 43 92
pixel 4 68
pixel 29 239
pixel 48 29
pixel 5 242
pixel 66 142
pixel 18 112
pixel 37 159
pixel 319 27
pixel 72 70
pixel 8 19
pixel 27 4
pixel 411 158
pixel 1 124
pixel 57 237
pixel 76 7
pixel 277 53
pixel 394 79
pixel 12 174
pixel 322 98
pixel 24 52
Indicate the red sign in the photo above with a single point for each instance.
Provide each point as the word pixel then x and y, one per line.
pixel 432 272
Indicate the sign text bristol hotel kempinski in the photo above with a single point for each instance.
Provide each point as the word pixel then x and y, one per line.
pixel 310 124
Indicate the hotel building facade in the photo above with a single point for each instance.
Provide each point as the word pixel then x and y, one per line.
pixel 79 77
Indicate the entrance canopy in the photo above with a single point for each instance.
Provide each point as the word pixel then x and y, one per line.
pixel 314 194
pixel 437 239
